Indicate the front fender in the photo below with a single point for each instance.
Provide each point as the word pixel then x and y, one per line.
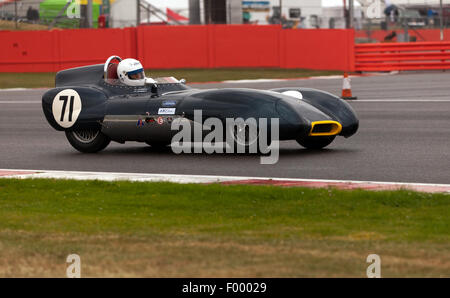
pixel 331 105
pixel 91 111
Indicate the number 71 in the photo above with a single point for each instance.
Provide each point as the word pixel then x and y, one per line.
pixel 65 98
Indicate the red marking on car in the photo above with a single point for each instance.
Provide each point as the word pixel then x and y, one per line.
pixel 160 120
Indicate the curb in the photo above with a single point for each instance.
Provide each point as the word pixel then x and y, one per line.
pixel 226 180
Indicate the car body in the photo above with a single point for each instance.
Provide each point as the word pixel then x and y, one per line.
pixel 93 110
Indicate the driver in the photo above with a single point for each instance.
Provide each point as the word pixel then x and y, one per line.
pixel 131 72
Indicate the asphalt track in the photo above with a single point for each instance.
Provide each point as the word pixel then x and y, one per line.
pixel 404 136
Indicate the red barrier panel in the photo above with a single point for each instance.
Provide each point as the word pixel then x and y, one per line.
pixel 245 46
pixel 28 51
pixel 94 45
pixel 173 46
pixel 402 56
pixel 50 51
pixel 179 47
pixel 208 46
pixel 318 49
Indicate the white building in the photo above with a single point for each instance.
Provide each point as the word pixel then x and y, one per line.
pixel 123 13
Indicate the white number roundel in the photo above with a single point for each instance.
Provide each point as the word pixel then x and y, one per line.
pixel 66 107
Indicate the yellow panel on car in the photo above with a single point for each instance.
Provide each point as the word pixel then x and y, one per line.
pixel 325 128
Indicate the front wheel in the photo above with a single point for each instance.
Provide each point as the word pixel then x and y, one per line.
pixel 242 135
pixel 316 142
pixel 87 140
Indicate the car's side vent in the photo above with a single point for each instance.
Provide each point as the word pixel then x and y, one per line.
pixel 325 128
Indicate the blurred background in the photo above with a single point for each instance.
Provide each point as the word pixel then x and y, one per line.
pixel 373 20
pixel 338 35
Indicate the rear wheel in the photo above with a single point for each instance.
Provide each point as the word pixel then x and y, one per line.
pixel 316 142
pixel 87 140
pixel 243 135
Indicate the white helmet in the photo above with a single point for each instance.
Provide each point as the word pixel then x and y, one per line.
pixel 131 72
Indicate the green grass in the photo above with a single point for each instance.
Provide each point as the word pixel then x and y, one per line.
pixel 11 25
pixel 163 229
pixel 27 80
pixel 36 80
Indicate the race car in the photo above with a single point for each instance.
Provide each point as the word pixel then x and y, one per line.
pixel 97 104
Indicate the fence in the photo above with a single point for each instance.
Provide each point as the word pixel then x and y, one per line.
pixel 202 46
pixel 39 15
pixel 402 56
pixel 214 46
pixel 418 35
pixel 49 51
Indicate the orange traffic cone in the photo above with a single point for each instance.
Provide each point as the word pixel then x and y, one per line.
pixel 347 88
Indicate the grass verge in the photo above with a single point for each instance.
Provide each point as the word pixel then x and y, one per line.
pixel 36 80
pixel 131 229
pixel 11 25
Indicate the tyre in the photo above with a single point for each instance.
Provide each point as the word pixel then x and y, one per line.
pixel 87 140
pixel 316 142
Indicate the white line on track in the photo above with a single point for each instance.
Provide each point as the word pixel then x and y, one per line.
pixel 400 100
pixel 19 101
pixel 15 89
pixel 330 77
pixel 334 77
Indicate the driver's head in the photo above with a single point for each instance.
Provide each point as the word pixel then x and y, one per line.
pixel 131 72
